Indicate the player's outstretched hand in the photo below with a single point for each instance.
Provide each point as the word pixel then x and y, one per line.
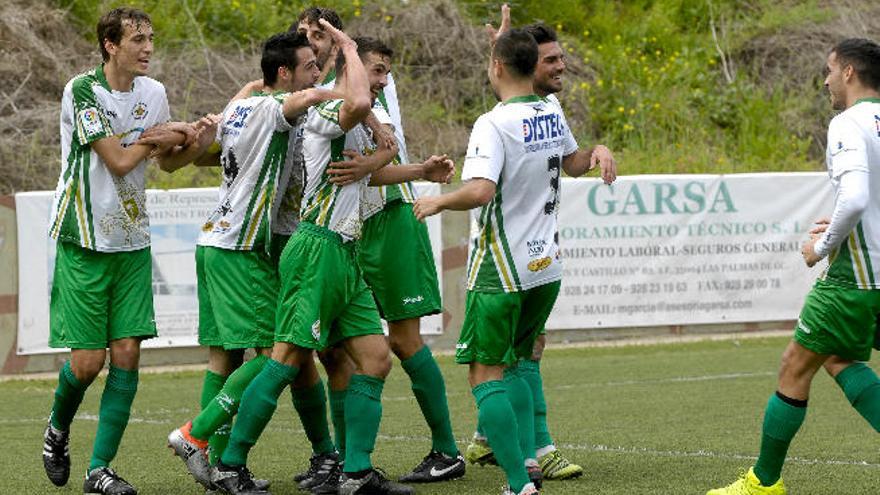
pixel 602 158
pixel 439 169
pixel 427 206
pixel 206 129
pixel 505 25
pixel 349 171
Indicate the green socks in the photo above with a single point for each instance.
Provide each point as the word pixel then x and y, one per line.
pixel 430 391
pixel 782 420
pixel 258 403
pixel 363 413
pixel 337 414
pixel 520 396
pixel 224 405
pixel 311 406
pixel 210 388
pixel 530 372
pixel 119 392
pixel 496 418
pixel 862 388
pixel 68 397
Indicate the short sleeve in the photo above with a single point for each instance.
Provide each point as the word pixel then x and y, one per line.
pixel 485 152
pixel 323 119
pixel 847 150
pixel 276 104
pixel 381 114
pixel 570 144
pixel 89 120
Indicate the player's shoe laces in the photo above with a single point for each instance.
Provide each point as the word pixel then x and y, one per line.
pixel 194 455
pixel 557 467
pixel 529 489
pixel 374 483
pixel 436 466
pixel 56 455
pixel 235 480
pixel 749 484
pixel 536 476
pixel 105 480
pixel 326 470
pixel 479 452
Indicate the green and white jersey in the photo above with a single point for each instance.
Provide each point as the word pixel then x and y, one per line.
pixel 340 209
pixel 387 103
pixel 285 213
pixel 854 145
pixel 93 207
pixel 514 239
pixel 254 139
pixel 405 191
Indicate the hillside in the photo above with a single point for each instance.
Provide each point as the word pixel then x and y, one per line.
pixel 673 86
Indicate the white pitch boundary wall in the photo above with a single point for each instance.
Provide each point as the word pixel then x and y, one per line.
pixel 649 250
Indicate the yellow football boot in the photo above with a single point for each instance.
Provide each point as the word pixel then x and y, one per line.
pixel 749 484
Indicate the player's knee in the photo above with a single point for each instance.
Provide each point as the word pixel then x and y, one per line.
pixel 405 345
pixel 85 370
pixel 378 365
pixel 538 349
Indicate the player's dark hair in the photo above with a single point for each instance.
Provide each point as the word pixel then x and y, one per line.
pixel 365 45
pixel 864 57
pixel 518 51
pixel 111 26
pixel 542 33
pixel 313 14
pixel 280 51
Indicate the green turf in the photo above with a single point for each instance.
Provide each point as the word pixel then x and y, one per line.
pixel 666 419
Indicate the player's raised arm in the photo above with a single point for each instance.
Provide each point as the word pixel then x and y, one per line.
pixel 357 102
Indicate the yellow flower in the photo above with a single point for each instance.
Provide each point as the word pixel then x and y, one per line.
pixel 632 111
pixel 600 82
pixel 621 109
pixel 711 61
pixel 585 85
pixel 357 12
pixel 586 33
pixel 388 18
pixel 656 106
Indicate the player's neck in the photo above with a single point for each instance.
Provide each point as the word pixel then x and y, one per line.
pixel 117 78
pixel 513 88
pixel 860 93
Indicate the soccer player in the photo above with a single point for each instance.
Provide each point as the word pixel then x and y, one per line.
pixel 511 176
pixel 102 294
pixel 548 82
pixel 837 324
pixel 400 271
pixel 238 284
pixel 323 298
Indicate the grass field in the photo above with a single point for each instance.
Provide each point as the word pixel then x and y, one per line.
pixel 665 419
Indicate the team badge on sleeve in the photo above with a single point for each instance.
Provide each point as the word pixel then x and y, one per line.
pixel 90 122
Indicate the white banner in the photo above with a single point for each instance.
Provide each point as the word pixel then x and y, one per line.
pixel 678 250
pixel 176 217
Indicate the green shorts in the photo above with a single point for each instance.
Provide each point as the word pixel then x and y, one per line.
pixel 98 297
pixel 395 255
pixel 324 299
pixel 276 247
pixel 238 295
pixel 501 327
pixel 839 321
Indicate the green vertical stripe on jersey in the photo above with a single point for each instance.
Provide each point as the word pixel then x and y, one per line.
pixel 275 154
pixel 393 192
pixel 69 228
pixel 867 255
pixel 505 246
pixel 840 268
pixel 87 194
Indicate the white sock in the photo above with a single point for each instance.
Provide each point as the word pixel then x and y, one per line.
pixel 545 450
